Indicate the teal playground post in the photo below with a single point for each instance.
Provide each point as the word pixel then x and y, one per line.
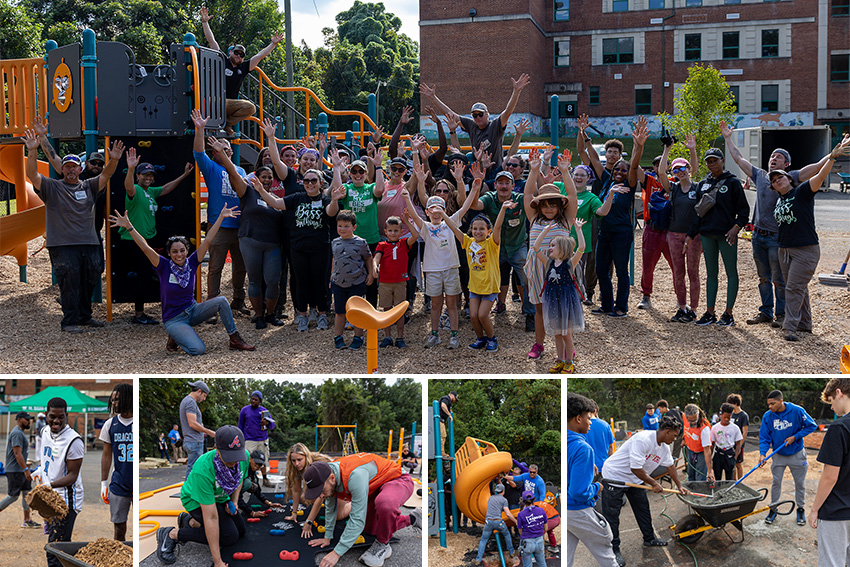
pixel 372 110
pixel 450 437
pixel 89 64
pixel 302 130
pixel 553 129
pixel 323 129
pixel 438 458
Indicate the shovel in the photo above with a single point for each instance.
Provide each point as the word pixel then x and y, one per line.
pixel 645 487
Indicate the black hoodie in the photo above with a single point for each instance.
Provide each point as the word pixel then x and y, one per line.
pixel 730 208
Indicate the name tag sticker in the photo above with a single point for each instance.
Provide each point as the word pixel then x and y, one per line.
pixel 316 204
pixel 392 193
pixel 80 195
pixel 513 222
pixel 172 279
pixel 475 247
pixel 262 203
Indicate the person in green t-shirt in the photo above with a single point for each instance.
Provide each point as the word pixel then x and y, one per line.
pixel 140 204
pixel 210 495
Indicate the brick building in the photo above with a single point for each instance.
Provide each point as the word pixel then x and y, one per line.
pixel 787 62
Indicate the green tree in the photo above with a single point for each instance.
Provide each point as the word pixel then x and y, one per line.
pixel 20 32
pixel 700 104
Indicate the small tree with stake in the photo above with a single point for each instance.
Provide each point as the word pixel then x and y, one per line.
pixel 700 104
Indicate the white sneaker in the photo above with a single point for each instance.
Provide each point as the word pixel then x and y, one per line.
pixel 453 342
pixel 377 554
pixel 302 323
pixel 322 322
pixel 645 303
pixel 433 340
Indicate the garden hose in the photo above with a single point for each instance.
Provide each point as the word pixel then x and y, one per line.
pixel 673 522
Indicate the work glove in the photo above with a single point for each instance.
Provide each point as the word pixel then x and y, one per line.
pixel 104 491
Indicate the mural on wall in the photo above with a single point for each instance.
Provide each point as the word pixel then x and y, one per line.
pixel 621 126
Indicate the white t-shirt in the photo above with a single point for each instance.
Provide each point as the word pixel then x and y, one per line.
pixel 440 248
pixel 641 451
pixel 55 454
pixel 104 431
pixel 726 436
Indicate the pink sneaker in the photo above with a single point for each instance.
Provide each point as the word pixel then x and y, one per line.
pixel 535 351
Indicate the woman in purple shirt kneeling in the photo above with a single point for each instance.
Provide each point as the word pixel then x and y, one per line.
pixel 532 524
pixel 177 275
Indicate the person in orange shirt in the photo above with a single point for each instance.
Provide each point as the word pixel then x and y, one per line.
pixel 698 443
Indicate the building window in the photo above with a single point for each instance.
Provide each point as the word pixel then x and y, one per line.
pixel 620 6
pixel 643 101
pixel 618 50
pixel 693 3
pixel 841 7
pixel 37 385
pixel 769 98
pixel 593 96
pixel 693 47
pixel 733 1
pixel 562 52
pixel 736 93
pixel 839 68
pixel 770 43
pixel 731 45
pixel 568 109
pixel 562 10
pixel 14 383
pixel 656 4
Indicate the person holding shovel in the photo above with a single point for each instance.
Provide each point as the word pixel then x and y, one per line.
pixel 785 424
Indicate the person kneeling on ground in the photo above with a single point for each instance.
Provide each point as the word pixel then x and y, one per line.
pixel 252 485
pixel 177 274
pixel 493 522
pixel 210 494
pixel 376 488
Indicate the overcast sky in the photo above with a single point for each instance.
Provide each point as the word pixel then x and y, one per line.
pixel 307 24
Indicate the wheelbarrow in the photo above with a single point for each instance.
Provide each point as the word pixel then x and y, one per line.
pixel 65 551
pixel 707 515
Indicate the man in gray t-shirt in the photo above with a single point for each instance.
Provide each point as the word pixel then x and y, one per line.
pixel 765 239
pixel 71 240
pixel 17 472
pixel 192 424
pixel 495 506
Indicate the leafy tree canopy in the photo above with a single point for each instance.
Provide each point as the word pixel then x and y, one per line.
pixel 20 32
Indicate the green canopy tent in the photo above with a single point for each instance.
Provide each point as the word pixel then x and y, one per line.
pixel 76 400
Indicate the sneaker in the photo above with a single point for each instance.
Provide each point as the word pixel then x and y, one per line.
pixel 212 320
pixel 236 343
pixel 587 302
pixel 303 323
pixel 801 516
pixel 529 323
pixel 388 341
pixel 557 368
pixel 238 306
pixel 617 314
pixel 259 322
pixel 492 345
pixel 76 329
pixel 339 342
pixel 726 320
pixel 678 316
pixel 356 343
pixel 272 319
pixel 599 311
pixel 771 517
pixel 171 344
pixel 478 343
pixel 433 340
pixel 568 368
pixel 92 323
pixel 645 303
pixel 454 342
pixel 399 343
pixel 515 298
pixel 143 319
pixel 348 326
pixel 778 321
pixel 165 546
pixel 759 319
pixel 619 558
pixel 536 351
pixel 707 319
pixel 688 317
pixel 444 321
pixel 183 521
pixel 377 554
pixel 791 336
pixel 655 543
pixel 313 316
pixel 30 524
pixel 499 308
pixel 553 549
pixel 416 518
pixel 322 322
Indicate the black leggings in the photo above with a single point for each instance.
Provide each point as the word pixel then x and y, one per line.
pixel 230 528
pixel 311 278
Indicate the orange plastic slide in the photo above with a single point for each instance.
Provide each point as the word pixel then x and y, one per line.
pixel 28 223
pixel 478 463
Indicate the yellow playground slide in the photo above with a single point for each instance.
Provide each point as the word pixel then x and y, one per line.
pixel 477 463
pixel 28 222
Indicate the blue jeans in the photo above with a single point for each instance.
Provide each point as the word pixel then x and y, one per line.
pixel 614 247
pixel 517 262
pixel 180 326
pixel 533 548
pixel 489 528
pixel 194 449
pixel 697 467
pixel 766 255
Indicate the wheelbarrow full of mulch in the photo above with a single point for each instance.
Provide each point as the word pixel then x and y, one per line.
pixel 723 507
pixel 101 553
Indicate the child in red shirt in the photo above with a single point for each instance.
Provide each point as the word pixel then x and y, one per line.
pixel 391 257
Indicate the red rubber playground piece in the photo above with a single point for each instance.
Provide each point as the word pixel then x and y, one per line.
pixel 289 555
pixel 243 555
pixel 253 520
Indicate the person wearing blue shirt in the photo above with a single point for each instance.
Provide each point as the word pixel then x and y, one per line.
pixel 600 438
pixel 783 426
pixel 584 523
pixel 531 481
pixel 650 418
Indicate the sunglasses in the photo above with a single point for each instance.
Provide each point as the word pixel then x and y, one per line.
pixel 512 164
pixel 398 169
pixel 679 169
pixel 310 181
pixel 358 171
pixel 239 54
pixel 97 163
pixel 477 114
pixel 441 191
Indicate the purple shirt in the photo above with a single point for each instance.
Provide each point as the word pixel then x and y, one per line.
pixel 249 423
pixel 532 522
pixel 176 299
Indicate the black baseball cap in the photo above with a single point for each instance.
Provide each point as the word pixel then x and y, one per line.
pixel 314 479
pixel 23 414
pixel 258 457
pixel 230 442
pixel 713 153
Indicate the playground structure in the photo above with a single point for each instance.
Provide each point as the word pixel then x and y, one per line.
pixel 474 468
pixel 350 439
pixel 360 313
